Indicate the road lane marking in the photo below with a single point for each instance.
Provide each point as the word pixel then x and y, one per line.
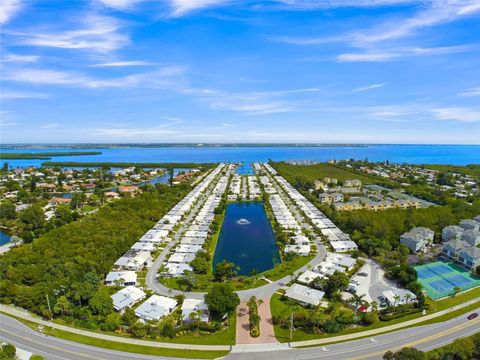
pixel 426 339
pixel 50 346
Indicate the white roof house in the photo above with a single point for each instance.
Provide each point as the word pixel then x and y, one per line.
pixel 399 297
pixel 143 246
pixel 343 246
pixel 124 278
pixel 179 258
pixel 127 297
pixel 304 295
pixel 308 276
pixel 195 305
pixel 188 248
pixel 133 261
pixel 341 260
pixel 174 270
pixel 156 307
pixel 302 250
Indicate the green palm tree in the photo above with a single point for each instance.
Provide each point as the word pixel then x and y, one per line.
pixel 357 300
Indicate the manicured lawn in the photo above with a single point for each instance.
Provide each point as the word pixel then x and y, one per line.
pixel 287 267
pixel 459 299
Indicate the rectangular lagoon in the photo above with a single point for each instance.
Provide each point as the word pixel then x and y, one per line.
pixel 245 169
pixel 247 239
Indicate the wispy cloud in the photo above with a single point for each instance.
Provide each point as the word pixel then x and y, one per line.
pixel 16 58
pixel 251 103
pixel 97 33
pixel 182 7
pixel 381 55
pixel 132 132
pixel 457 114
pixel 437 12
pixel 120 4
pixel 7 118
pixel 123 64
pixel 50 126
pixel 9 9
pixel 368 87
pixel 12 95
pixel 227 125
pixel 471 92
pixel 163 77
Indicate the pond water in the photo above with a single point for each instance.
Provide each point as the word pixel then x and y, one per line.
pixel 245 169
pixel 247 239
pixel 4 238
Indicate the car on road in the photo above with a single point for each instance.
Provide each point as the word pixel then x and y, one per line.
pixel 362 274
pixel 472 316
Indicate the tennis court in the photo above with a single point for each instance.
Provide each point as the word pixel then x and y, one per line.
pixel 440 278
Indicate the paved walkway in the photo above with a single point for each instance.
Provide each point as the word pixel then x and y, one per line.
pixel 382 329
pixel 23 314
pixel 267 334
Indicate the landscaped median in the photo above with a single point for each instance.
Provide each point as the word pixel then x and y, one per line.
pixel 116 342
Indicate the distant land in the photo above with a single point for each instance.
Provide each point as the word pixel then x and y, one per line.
pixel 44 155
pixel 167 145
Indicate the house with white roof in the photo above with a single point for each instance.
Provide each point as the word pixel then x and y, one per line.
pixel 182 248
pixel 174 270
pixel 198 306
pixel 128 296
pixel 155 307
pixel 122 278
pixel 308 276
pixel 396 297
pixel 304 295
pixel 180 258
pixel 343 246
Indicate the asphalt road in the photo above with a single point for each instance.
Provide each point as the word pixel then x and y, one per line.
pixel 425 337
pixel 14 332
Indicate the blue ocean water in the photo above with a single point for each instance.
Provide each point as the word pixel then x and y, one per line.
pixel 249 245
pixel 415 154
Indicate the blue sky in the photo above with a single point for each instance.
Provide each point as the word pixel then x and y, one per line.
pixel 332 71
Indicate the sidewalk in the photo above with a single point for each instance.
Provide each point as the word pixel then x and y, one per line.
pixel 27 316
pixel 380 330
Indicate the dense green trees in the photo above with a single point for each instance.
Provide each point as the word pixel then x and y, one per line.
pixel 7 210
pixel 225 270
pixel 221 299
pixel 405 354
pixel 32 217
pixel 68 263
pixel 8 351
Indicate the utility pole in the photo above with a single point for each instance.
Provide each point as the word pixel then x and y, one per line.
pixel 291 326
pixel 49 308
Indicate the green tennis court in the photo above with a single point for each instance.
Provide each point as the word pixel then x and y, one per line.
pixel 440 278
